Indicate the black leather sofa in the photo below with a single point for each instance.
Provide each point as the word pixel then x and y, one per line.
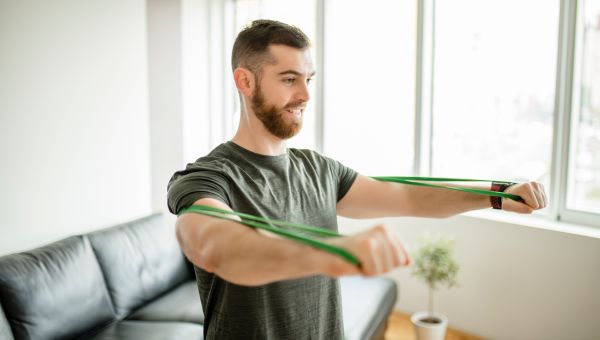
pixel 131 281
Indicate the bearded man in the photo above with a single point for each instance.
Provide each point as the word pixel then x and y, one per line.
pixel 256 286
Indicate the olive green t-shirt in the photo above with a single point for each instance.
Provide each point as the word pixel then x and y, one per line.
pixel 300 186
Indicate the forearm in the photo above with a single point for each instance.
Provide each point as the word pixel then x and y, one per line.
pixel 243 256
pixel 368 198
pixel 442 203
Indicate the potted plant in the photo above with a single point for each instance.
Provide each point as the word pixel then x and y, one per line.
pixel 434 264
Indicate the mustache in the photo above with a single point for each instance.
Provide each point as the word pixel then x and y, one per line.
pixel 296 105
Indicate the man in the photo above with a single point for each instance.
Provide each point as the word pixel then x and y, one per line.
pixel 257 286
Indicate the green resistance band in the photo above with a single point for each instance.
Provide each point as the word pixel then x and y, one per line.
pixel 302 233
pixel 417 181
pixel 297 232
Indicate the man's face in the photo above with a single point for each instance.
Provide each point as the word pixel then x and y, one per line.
pixel 281 94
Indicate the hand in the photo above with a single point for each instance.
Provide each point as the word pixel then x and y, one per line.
pixel 532 193
pixel 378 249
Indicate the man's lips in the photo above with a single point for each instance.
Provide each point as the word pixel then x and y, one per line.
pixel 297 111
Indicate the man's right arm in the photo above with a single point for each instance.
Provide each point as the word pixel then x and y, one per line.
pixel 244 256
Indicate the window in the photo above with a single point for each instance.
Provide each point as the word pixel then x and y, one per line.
pixel 369 85
pixel 493 97
pixel 584 161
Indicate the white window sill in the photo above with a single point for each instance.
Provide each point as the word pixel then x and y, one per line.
pixel 535 221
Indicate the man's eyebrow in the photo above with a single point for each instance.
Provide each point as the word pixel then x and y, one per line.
pixel 294 72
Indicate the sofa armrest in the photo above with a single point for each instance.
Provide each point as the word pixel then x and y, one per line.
pixel 366 306
pixel 5 332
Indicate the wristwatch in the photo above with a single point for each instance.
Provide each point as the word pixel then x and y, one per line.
pixel 499 187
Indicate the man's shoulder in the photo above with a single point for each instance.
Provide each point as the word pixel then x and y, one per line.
pixel 217 162
pixel 304 153
pixel 309 155
pixel 216 158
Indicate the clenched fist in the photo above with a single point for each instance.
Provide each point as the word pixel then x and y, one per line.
pixel 533 195
pixel 378 249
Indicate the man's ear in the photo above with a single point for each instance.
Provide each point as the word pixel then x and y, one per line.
pixel 244 81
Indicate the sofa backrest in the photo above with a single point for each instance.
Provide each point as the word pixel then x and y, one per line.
pixel 5 332
pixel 55 291
pixel 140 260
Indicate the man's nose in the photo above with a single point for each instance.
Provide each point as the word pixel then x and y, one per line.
pixel 303 93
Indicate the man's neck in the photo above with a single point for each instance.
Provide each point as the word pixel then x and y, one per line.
pixel 253 136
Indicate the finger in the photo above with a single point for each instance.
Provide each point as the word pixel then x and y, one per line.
pixel 533 199
pixel 403 252
pixel 518 207
pixel 394 253
pixel 544 196
pixel 529 196
pixel 399 255
pixel 539 196
pixel 377 251
pixel 385 251
pixel 373 262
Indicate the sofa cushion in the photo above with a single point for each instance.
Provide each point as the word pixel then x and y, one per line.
pixel 151 331
pixel 5 332
pixel 55 291
pixel 180 304
pixel 140 259
pixel 366 305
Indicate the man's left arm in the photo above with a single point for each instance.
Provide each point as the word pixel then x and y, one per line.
pixel 369 198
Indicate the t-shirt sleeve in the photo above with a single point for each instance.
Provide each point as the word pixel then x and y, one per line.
pixel 188 186
pixel 345 177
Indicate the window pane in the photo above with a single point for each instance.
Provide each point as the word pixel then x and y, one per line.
pixel 584 164
pixel 369 84
pixel 494 88
pixel 301 14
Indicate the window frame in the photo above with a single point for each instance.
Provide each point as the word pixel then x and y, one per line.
pixel 569 68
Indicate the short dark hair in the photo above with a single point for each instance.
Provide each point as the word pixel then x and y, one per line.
pixel 251 46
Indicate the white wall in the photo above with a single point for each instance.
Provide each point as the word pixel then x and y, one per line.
pixel 197 86
pixel 165 95
pixel 516 282
pixel 178 70
pixel 74 128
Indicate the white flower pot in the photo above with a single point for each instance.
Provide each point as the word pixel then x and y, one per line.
pixel 428 330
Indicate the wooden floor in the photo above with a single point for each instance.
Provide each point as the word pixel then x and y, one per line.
pixel 400 328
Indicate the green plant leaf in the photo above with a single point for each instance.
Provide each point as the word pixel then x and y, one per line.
pixel 434 263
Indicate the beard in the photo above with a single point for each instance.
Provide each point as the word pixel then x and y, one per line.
pixel 273 118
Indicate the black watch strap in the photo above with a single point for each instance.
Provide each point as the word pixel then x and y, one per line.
pixel 499 187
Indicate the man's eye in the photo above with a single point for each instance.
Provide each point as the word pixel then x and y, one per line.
pixel 289 80
pixel 308 81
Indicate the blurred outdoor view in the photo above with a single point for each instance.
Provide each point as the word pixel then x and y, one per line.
pixel 494 84
pixel 584 164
